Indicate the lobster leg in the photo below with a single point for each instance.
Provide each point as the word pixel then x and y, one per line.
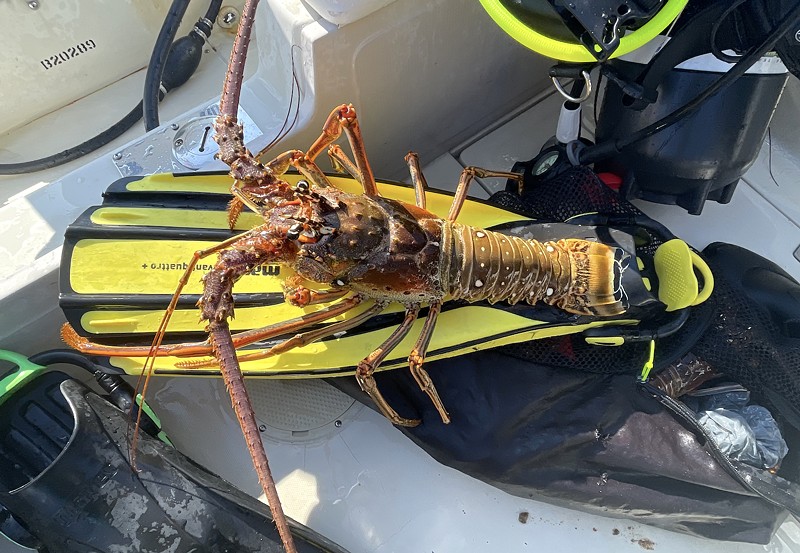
pixel 303 339
pixel 292 325
pixel 344 118
pixel 417 356
pixel 241 339
pixel 300 296
pixel 306 338
pixel 298 340
pixel 420 375
pixel 467 176
pixel 235 207
pixel 342 163
pixel 417 178
pixel 365 369
pixel 305 164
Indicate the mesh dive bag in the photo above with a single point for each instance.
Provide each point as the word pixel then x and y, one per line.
pixel 571 194
pixel 749 329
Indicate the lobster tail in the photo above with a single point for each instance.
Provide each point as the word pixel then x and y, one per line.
pixel 578 276
pixel 594 287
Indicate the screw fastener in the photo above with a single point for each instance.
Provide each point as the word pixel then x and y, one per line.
pixel 228 17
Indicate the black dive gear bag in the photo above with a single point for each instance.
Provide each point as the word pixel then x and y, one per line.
pixel 569 423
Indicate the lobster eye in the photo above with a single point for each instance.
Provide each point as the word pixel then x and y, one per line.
pixel 303 186
pixel 294 231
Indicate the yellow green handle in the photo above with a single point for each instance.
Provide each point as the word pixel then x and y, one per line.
pixel 708 278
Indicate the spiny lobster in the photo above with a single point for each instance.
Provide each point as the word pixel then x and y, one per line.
pixel 379 249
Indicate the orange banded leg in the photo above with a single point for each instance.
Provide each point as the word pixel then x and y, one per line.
pixel 341 163
pixel 305 164
pixel 240 339
pixel 300 296
pixel 343 118
pixel 306 338
pixel 366 368
pixel 293 325
pixel 296 341
pixel 417 178
pixel 467 176
pixel 417 357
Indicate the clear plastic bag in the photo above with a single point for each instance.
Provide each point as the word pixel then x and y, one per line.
pixel 747 433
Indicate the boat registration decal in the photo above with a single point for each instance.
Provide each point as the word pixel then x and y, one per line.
pixel 68 54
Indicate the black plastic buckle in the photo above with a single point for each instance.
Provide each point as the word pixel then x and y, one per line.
pixel 598 24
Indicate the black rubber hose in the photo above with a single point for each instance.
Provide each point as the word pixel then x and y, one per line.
pixel 612 147
pixel 183 61
pixel 68 356
pixel 115 131
pixel 211 15
pixel 185 54
pixel 155 69
pixel 715 49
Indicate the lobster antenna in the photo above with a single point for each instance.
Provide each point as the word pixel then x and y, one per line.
pixel 287 127
pixel 228 108
pixel 149 364
pixel 229 102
